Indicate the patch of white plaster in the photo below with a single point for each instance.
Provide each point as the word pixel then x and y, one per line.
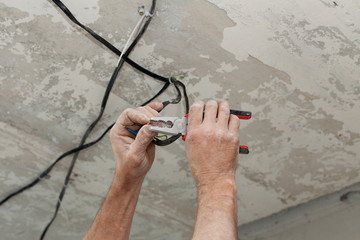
pixel 226 68
pixel 144 52
pixel 205 56
pixel 87 14
pixel 19 49
pixel 206 88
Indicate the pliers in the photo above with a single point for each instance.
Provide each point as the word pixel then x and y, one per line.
pixel 176 125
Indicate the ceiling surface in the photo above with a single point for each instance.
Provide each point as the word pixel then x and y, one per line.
pixel 294 64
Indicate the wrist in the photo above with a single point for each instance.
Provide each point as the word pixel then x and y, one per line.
pixel 122 183
pixel 127 173
pixel 221 188
pixel 205 179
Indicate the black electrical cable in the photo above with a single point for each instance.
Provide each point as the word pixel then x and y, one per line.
pixel 47 171
pixel 160 143
pixel 68 13
pixel 174 101
pixel 91 127
pixel 178 98
pixel 103 105
pixel 187 105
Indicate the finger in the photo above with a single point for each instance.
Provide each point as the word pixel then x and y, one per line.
pixel 234 124
pixel 154 113
pixel 135 127
pixel 223 114
pixel 120 131
pixel 148 111
pixel 195 115
pixel 156 105
pixel 211 110
pixel 132 117
pixel 145 111
pixel 143 139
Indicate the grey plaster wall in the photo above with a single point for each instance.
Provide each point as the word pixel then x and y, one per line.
pixel 294 64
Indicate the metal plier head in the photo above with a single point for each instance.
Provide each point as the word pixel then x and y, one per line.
pixel 169 125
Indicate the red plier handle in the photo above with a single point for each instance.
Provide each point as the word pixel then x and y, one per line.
pixel 241 115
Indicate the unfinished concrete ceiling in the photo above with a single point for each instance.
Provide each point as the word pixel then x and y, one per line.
pixel 294 64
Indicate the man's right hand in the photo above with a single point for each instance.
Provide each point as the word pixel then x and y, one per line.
pixel 212 143
pixel 212 146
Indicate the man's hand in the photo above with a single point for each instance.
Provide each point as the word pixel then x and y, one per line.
pixel 212 143
pixel 212 146
pixel 134 154
pixel 134 157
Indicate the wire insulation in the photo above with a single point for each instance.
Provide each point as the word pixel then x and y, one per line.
pixel 103 106
pixel 123 56
pixel 108 45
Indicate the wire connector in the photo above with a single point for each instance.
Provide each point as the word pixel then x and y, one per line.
pixel 143 12
pixel 148 14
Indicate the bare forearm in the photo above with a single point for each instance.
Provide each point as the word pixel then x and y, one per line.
pixel 114 218
pixel 217 211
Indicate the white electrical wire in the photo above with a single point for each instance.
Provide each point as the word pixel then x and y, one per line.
pixel 136 28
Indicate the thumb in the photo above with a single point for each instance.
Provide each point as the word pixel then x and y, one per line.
pixel 143 139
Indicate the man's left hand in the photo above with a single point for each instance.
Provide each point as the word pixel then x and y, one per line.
pixel 134 154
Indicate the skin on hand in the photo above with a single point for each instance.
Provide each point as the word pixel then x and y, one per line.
pixel 134 154
pixel 134 157
pixel 212 147
pixel 212 143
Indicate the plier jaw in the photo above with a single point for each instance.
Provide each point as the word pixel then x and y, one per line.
pixel 169 125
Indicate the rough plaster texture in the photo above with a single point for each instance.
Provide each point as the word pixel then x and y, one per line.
pixel 294 64
pixel 331 217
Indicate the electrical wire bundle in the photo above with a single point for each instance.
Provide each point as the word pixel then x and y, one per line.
pixel 123 57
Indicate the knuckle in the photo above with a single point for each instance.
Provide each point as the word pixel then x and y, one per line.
pixel 211 103
pixel 223 118
pixel 220 134
pixel 197 105
pixel 152 111
pixel 222 101
pixel 235 118
pixel 125 114
pixel 234 138
pixel 140 109
pixel 224 110
pixel 127 110
pixel 224 106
